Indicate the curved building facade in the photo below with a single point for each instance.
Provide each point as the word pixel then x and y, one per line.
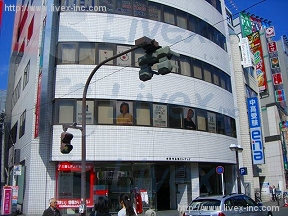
pixel 153 148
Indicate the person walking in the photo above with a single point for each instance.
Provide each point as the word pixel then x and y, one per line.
pixel 274 193
pixel 127 206
pixel 52 209
pixel 101 208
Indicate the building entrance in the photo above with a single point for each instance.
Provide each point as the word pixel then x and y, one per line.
pixel 162 174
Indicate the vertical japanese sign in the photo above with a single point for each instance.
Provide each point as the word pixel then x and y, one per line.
pixel 255 46
pixel 246 24
pixel 245 52
pixel 6 202
pixel 255 130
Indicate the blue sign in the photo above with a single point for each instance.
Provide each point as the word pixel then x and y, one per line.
pixel 243 171
pixel 255 130
pixel 220 169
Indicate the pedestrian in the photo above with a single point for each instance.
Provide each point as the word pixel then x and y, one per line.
pixel 101 208
pixel 52 209
pixel 127 206
pixel 274 193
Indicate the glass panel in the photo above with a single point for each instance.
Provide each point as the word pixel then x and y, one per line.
pixel 124 111
pixel 223 81
pixel 140 8
pixel 174 60
pixel 175 117
pixel 207 73
pixel 154 11
pixel 228 131
pixel 201 120
pixel 89 112
pixel 68 53
pixel 189 119
pixel 105 52
pixel 185 66
pixel 197 69
pixel 193 24
pixel 105 112
pixel 86 53
pixel 143 114
pixel 66 111
pixel 181 19
pixel 108 4
pixel 220 124
pixel 159 115
pixel 216 77
pixel 169 15
pixel 124 7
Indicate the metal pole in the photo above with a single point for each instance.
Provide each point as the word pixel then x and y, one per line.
pixel 83 161
pixel 222 182
pixel 238 173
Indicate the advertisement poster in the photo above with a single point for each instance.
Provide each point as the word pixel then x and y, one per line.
pixel 124 113
pixel 159 115
pixel 6 202
pixel 89 112
pixel 211 122
pixel 124 60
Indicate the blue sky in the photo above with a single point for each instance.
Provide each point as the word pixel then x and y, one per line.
pixel 273 10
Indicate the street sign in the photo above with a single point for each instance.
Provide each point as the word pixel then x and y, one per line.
pixel 243 171
pixel 220 169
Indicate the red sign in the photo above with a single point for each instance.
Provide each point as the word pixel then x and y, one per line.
pixel 272 47
pixel 280 95
pixel 74 167
pixel 6 207
pixel 277 79
pixel 37 107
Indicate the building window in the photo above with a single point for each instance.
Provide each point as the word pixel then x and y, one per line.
pixel 65 111
pixel 169 15
pixel 22 124
pixel 67 53
pixel 181 19
pixel 193 24
pixel 211 122
pixel 175 116
pixel 105 112
pixel 185 66
pixel 89 112
pixel 124 7
pixel 223 81
pixel 108 4
pixel 201 120
pixel 87 53
pixel 197 69
pixel 220 124
pixel 154 11
pixel 143 115
pixel 105 52
pixel 26 74
pixel 216 76
pixel 207 73
pixel 140 8
pixel 227 121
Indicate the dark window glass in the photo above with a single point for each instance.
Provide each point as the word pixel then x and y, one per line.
pixel 197 69
pixel 124 7
pixel 154 11
pixel 140 8
pixel 169 15
pixel 233 127
pixel 203 28
pixel 228 128
pixel 175 117
pixel 215 72
pixel 22 124
pixel 193 24
pixel 207 72
pixel 108 4
pixel 220 124
pixel 181 19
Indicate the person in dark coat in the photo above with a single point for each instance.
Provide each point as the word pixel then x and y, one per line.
pixel 52 209
pixel 101 208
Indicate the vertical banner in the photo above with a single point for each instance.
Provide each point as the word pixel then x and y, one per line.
pixel 246 24
pixel 6 202
pixel 1 12
pixel 255 46
pixel 255 130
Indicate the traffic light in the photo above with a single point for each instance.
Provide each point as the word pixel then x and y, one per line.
pixel 148 60
pixel 164 55
pixel 66 138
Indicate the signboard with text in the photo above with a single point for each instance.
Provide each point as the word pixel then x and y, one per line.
pixel 255 130
pixel 6 202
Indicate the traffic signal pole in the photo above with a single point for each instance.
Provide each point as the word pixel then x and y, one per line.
pixel 139 43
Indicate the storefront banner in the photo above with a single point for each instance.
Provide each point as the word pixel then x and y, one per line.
pixel 159 115
pixel 245 52
pixel 246 24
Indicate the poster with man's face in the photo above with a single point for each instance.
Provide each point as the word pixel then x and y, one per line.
pixel 189 118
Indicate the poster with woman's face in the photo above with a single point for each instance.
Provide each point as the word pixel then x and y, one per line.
pixel 124 113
